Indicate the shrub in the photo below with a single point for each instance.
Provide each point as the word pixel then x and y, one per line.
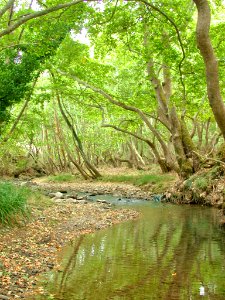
pixel 13 202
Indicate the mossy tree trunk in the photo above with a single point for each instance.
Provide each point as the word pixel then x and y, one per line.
pixel 183 145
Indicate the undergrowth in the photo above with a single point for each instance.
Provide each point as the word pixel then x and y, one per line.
pixel 158 182
pixel 139 179
pixel 201 183
pixel 13 203
pixel 203 179
pixel 64 177
pixel 39 201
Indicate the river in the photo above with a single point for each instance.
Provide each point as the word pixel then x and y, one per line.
pixel 171 252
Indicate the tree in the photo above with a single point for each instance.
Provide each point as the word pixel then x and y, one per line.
pixel 24 51
pixel 24 18
pixel 211 63
pixel 144 79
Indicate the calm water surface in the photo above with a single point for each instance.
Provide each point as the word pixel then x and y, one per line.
pixel 171 252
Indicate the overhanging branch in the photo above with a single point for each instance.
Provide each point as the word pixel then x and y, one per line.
pixel 38 14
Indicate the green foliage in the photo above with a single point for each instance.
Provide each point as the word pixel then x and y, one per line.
pixel 20 64
pixel 15 74
pixel 188 184
pixel 22 164
pixel 197 181
pixel 123 38
pixel 13 203
pixel 203 179
pixel 215 172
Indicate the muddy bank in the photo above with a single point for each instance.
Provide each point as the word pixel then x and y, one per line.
pixel 33 248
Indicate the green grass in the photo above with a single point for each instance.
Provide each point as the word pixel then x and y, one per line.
pixel 140 179
pixel 188 184
pixel 201 183
pixel 13 203
pixel 39 201
pixel 64 177
pixel 157 181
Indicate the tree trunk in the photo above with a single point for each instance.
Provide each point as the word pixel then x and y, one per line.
pixel 211 64
pixel 92 170
pixel 28 98
pixel 186 166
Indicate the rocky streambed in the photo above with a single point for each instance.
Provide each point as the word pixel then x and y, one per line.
pixel 94 188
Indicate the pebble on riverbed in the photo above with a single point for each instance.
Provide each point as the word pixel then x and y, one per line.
pixel 62 198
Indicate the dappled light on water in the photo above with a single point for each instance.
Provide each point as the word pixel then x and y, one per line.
pixel 171 252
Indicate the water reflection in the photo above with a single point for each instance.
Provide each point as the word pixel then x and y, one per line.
pixel 172 252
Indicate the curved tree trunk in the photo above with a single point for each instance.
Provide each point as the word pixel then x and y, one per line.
pixel 211 64
pixel 94 172
pixel 167 155
pixel 183 145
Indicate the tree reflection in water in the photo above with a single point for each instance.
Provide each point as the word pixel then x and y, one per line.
pixel 172 252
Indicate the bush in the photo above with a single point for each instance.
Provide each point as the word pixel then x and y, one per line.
pixel 13 203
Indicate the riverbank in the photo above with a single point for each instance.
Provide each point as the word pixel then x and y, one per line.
pixel 206 187
pixel 121 182
pixel 32 249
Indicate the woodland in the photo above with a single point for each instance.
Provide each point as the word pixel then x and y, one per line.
pixel 86 84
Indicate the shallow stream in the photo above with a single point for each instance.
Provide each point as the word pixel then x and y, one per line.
pixel 171 252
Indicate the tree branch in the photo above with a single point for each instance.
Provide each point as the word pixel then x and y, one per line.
pixel 123 105
pixel 148 4
pixel 38 14
pixel 6 7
